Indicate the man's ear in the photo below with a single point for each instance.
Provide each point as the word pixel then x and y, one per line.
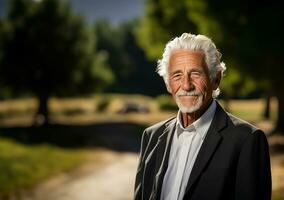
pixel 216 81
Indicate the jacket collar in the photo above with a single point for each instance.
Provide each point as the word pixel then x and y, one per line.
pixel 163 151
pixel 209 146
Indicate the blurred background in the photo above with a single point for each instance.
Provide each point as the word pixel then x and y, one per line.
pixel 78 86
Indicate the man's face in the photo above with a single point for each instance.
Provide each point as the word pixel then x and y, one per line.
pixel 189 81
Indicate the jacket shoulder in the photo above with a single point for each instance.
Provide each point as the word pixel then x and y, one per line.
pixel 242 124
pixel 242 129
pixel 158 126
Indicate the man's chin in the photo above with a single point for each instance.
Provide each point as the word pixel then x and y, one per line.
pixel 188 108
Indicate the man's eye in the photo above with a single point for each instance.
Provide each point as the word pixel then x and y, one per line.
pixel 195 74
pixel 176 76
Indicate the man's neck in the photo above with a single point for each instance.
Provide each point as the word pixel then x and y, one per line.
pixel 188 118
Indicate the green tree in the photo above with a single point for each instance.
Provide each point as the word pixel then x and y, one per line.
pixel 254 39
pixel 47 50
pixel 127 59
pixel 110 39
pixel 166 19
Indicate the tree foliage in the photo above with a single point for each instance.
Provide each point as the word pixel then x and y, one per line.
pixel 166 19
pixel 127 59
pixel 47 50
pixel 253 35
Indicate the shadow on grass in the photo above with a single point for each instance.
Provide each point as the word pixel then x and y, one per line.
pixel 116 136
pixel 119 136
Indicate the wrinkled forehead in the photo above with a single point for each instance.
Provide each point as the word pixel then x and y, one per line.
pixel 187 57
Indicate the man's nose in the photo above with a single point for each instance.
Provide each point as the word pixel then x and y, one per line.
pixel 186 83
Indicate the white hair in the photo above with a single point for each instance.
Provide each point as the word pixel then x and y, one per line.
pixel 193 42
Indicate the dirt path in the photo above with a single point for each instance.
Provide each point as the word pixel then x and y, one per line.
pixel 113 181
pixel 276 143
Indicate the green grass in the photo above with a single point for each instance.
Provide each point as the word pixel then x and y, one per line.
pixel 276 196
pixel 251 110
pixel 22 166
pixel 250 115
pixel 103 107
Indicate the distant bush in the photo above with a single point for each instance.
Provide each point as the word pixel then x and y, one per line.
pixel 165 102
pixel 103 104
pixel 11 112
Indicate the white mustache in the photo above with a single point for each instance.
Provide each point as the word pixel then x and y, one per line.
pixel 191 93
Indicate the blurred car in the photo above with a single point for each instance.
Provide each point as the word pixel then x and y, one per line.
pixel 133 108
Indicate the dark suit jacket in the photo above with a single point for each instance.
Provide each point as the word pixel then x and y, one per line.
pixel 233 162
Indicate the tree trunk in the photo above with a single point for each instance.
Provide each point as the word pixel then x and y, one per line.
pixel 42 115
pixel 266 113
pixel 280 116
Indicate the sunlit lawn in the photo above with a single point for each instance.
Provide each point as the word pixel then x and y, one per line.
pixel 22 166
pixel 100 108
pixel 252 110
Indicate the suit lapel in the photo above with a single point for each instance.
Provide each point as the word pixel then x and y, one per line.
pixel 211 141
pixel 162 156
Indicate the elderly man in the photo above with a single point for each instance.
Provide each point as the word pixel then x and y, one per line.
pixel 204 153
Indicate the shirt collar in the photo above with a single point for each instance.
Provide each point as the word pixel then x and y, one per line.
pixel 201 125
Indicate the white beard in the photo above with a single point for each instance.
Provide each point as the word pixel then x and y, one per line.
pixel 193 108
